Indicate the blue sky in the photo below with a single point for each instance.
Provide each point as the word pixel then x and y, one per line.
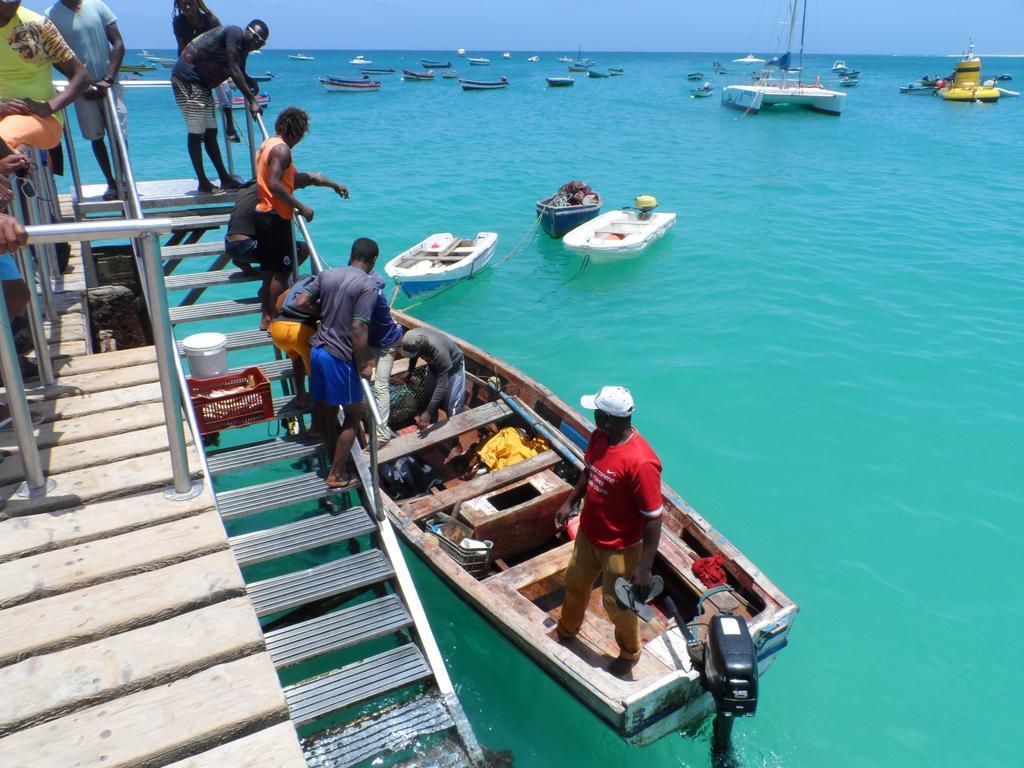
pixel 833 26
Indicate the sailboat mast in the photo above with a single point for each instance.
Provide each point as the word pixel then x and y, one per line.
pixel 803 30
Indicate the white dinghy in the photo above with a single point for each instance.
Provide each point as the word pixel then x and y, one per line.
pixel 440 260
pixel 620 234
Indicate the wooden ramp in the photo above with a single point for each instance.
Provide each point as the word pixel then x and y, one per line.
pixel 126 634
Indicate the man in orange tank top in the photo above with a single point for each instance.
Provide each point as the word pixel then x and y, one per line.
pixel 277 179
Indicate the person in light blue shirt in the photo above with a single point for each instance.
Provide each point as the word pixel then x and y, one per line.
pixel 89 27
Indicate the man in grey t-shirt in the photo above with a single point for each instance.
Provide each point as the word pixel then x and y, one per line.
pixel 89 28
pixel 339 352
pixel 446 377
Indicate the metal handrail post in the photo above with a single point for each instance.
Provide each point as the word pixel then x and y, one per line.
pixel 76 175
pixel 35 483
pixel 375 420
pixel 163 340
pixel 41 254
pixel 110 117
pixel 252 141
pixel 35 315
pixel 227 142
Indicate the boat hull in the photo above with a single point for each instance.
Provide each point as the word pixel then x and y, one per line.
pixel 522 601
pixel 557 221
pixel 349 86
pixel 423 275
pixel 478 85
pixel 560 82
pixel 754 98
pixel 618 235
pixel 410 76
pixel 970 95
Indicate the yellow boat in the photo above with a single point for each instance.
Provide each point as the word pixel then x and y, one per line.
pixel 967 84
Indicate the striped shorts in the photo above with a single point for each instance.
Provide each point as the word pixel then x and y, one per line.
pixel 196 104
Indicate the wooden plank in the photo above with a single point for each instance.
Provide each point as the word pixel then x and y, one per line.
pixel 54 685
pixel 118 478
pixel 99 381
pixel 438 433
pixel 89 453
pixel 535 569
pixel 275 747
pixel 106 361
pixel 155 726
pixel 95 402
pixel 123 421
pixel 85 615
pixel 64 570
pixel 32 534
pixel 422 508
pixel 65 349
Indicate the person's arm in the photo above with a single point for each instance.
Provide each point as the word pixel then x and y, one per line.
pixel 578 492
pixel 646 484
pixel 277 163
pixel 12 234
pixel 233 45
pixel 303 180
pixel 116 53
pixel 441 366
pixel 360 344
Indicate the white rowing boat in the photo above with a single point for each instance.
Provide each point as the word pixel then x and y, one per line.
pixel 440 260
pixel 620 234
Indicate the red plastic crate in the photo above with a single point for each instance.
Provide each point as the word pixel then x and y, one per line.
pixel 215 413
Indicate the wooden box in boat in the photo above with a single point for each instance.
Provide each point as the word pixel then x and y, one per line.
pixel 618 234
pixel 441 260
pixel 522 593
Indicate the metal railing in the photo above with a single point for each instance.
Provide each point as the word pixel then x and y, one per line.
pixel 36 482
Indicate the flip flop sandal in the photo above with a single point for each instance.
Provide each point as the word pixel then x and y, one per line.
pixel 627 598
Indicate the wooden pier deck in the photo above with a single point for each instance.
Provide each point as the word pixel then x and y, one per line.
pixel 126 634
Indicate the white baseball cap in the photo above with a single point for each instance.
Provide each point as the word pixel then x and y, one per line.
pixel 615 401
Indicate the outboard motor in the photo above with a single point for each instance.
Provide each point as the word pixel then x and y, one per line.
pixel 727 661
pixel 644 204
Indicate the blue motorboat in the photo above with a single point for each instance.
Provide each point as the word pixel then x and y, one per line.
pixel 574 204
pixel 596 73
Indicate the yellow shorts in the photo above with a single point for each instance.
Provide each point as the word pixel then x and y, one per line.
pixel 36 131
pixel 293 339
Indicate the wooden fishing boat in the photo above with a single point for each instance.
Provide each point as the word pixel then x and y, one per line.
pixel 918 90
pixel 238 102
pixel 431 64
pixel 408 74
pixel 597 73
pixel 478 61
pixel 483 85
pixel 338 85
pixel 560 82
pixel 377 70
pixel 440 260
pixel 703 92
pixel 695 76
pixel 137 69
pixel 581 66
pixel 557 217
pixel 620 234
pixel 616 71
pixel 450 74
pixel 517 582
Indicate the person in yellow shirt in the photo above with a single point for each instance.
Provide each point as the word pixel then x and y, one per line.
pixel 29 104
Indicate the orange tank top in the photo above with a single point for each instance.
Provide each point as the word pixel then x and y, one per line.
pixel 267 201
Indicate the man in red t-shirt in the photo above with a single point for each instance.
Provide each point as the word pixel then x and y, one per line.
pixel 620 524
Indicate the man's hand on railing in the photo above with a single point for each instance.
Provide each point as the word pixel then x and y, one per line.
pixel 306 212
pixel 12 234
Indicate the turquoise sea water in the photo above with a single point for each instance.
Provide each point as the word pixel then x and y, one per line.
pixel 827 352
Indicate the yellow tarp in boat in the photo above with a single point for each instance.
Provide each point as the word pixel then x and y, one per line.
pixel 509 447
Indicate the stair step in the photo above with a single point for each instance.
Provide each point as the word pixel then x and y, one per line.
pixel 342 629
pixel 257 455
pixel 193 250
pixel 286 406
pixel 313 532
pixel 215 310
pixel 242 340
pixel 186 282
pixel 279 493
pixel 274 370
pixel 355 683
pixel 283 593
pixel 359 741
pixel 203 221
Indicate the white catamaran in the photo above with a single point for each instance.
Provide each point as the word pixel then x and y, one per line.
pixel 785 86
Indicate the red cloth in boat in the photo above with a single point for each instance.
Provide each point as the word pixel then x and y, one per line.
pixel 710 571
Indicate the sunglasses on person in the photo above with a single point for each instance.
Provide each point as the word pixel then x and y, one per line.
pixel 257 36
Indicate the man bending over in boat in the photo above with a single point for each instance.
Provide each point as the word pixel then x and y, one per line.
pixel 277 179
pixel 620 524
pixel 446 372
pixel 346 296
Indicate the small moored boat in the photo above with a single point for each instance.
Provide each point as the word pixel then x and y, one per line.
pixel 560 82
pixel 616 71
pixel 620 234
pixel 918 90
pixel 449 74
pixel 597 73
pixel 533 58
pixel 377 70
pixel 360 59
pixel 478 61
pixel 409 75
pixel 266 77
pixel 300 57
pixel 848 81
pixel 506 55
pixel 565 59
pixel 431 64
pixel 703 92
pixel 575 203
pixel 695 76
pixel 1005 76
pixel 481 85
pixel 238 102
pixel 137 69
pixel 440 260
pixel 339 85
pixel 461 52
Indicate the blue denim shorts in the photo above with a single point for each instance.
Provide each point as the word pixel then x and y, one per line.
pixel 9 268
pixel 333 381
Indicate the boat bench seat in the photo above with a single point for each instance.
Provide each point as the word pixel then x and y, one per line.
pixel 414 442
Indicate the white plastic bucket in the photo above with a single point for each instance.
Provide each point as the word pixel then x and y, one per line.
pixel 207 354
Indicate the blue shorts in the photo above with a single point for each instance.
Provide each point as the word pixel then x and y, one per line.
pixel 333 381
pixel 241 249
pixel 9 268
